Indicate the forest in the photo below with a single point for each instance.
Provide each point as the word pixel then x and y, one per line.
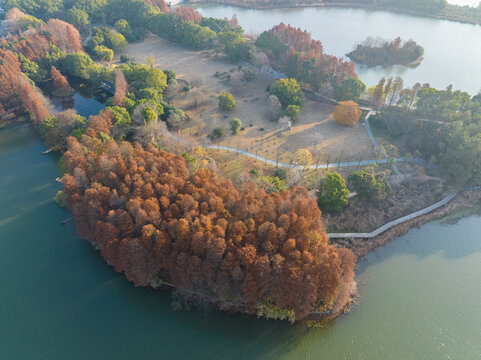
pixel 162 218
pixel 374 52
pixel 442 126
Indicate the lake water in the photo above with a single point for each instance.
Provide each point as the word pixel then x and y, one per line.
pixel 420 295
pixel 452 49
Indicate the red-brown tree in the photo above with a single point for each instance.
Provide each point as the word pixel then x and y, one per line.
pixel 158 223
pixel 59 81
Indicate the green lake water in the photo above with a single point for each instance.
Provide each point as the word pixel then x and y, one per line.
pixel 452 49
pixel 419 295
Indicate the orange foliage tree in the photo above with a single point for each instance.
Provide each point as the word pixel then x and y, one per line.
pixel 347 113
pixel 187 14
pixel 160 4
pixel 14 85
pixel 59 81
pixel 234 249
pixel 65 35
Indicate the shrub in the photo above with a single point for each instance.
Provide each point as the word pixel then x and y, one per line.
pixel 103 53
pixel 235 125
pixel 149 115
pixel 293 112
pixel 226 101
pixel 368 185
pixel 281 174
pixel 217 133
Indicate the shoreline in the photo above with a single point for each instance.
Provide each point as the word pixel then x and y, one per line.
pixel 334 5
pixel 362 246
pixel 414 63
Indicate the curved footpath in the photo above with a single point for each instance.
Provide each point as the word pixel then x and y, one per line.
pixel 301 167
pixel 393 223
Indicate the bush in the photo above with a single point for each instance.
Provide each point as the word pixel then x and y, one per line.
pixel 235 125
pixel 368 185
pixel 149 115
pixel 124 58
pixel 217 133
pixel 347 113
pixel 333 194
pixel 103 53
pixel 226 101
pixel 293 112
pixel 171 77
pixel 281 174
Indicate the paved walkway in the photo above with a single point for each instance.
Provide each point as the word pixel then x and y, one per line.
pixel 297 166
pixel 393 223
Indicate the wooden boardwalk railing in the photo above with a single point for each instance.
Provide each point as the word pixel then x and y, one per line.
pixel 393 223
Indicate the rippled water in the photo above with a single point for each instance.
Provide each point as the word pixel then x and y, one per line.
pixel 420 295
pixel 452 49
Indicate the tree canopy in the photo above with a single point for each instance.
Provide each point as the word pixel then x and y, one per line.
pixel 333 194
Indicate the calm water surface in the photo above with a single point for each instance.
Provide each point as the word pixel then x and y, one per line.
pixel 452 50
pixel 420 295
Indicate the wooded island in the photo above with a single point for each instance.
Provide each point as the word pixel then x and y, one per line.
pixel 374 52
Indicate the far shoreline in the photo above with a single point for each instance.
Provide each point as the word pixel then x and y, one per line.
pixel 333 5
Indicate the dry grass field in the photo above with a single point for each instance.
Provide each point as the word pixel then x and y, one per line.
pixel 316 130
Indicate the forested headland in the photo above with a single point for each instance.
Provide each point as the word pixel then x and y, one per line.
pixel 156 210
pixel 161 218
pixel 374 52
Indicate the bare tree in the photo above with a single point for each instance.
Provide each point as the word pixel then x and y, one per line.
pixel 174 121
pixel 261 59
pixel 275 107
pixel 198 97
pixel 285 123
pixel 196 81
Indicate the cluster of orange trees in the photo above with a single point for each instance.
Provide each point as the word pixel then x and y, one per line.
pixel 236 249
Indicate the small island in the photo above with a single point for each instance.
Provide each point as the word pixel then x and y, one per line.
pixel 376 51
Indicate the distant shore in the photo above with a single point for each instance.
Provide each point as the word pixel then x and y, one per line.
pixel 441 16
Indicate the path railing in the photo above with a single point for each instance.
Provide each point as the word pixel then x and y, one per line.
pixel 393 223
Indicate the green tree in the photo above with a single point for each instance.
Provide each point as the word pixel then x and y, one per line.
pixel 333 194
pixel 367 185
pixel 118 42
pixel 288 91
pixel 350 89
pixel 43 9
pixel 149 114
pixel 226 101
pixel 29 22
pixel 293 112
pixel 123 27
pixel 122 121
pixel 171 77
pixel 217 133
pixel 103 53
pixel 235 125
pixel 77 64
pixel 79 19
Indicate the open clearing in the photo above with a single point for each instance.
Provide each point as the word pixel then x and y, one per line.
pixel 316 130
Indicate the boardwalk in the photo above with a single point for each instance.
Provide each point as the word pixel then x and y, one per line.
pixel 393 223
pixel 297 166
